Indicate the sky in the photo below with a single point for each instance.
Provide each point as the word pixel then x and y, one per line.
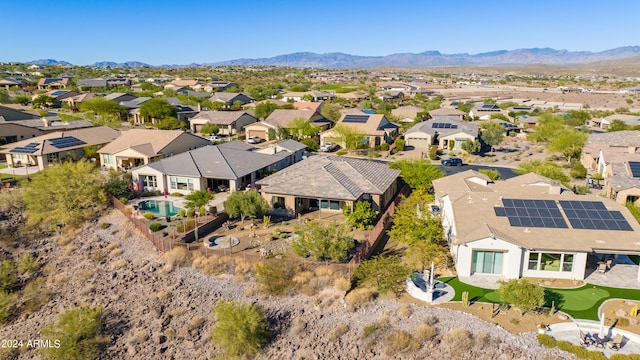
pixel 183 32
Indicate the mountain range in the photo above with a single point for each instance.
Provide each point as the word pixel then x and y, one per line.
pixel 519 57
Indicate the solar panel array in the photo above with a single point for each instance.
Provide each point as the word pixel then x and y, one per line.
pixel 509 125
pixel 65 142
pixel 30 148
pixel 532 213
pixel 355 118
pixel 488 106
pixel 593 215
pixel 634 166
pixel 443 126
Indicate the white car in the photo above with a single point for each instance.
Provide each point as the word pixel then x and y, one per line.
pixel 214 138
pixel 328 147
pixel 254 140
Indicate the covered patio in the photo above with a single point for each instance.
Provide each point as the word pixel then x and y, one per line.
pixel 623 272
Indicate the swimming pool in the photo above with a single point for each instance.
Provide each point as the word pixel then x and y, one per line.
pixel 160 207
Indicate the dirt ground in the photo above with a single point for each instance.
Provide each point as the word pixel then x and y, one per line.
pixel 616 310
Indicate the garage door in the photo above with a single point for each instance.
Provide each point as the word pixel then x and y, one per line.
pixel 259 133
pixel 418 142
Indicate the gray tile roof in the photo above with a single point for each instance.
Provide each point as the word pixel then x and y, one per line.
pixel 427 127
pixel 291 145
pixel 331 177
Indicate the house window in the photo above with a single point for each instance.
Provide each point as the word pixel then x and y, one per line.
pixel 180 183
pixel 330 204
pixel 278 202
pixel 550 261
pixel 107 159
pixel 150 181
pixel 487 262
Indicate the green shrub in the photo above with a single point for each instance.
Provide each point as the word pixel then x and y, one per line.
pixel 362 215
pixel 156 227
pixel 158 192
pixel 177 194
pixel 370 329
pixel 27 264
pixel 384 147
pixel 311 144
pixel 275 279
pixel 149 215
pixel 341 152
pixel 124 200
pixel 182 213
pixel 202 211
pixel 521 293
pixel 187 226
pixel 433 152
pixel 191 213
pixel 104 225
pixel 240 329
pixel 400 144
pixel 547 340
pixel 8 275
pixel 578 171
pixel 77 330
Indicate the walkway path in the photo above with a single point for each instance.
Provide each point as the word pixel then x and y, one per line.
pixel 570 331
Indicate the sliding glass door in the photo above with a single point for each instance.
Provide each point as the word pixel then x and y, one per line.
pixel 487 262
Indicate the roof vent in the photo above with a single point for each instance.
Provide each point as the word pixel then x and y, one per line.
pixel 600 242
pixel 527 230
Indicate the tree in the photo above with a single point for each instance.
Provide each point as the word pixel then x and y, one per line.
pixel 44 101
pixel 22 99
pixel 578 171
pixel 275 279
pixel 323 241
pixel 471 146
pixel 348 136
pixel 413 221
pixel 492 133
pixel 421 255
pixel 362 215
pixel 170 123
pixel 547 169
pixel 240 329
pixel 4 97
pixel 64 194
pixel 102 107
pixel 418 173
pixel 209 128
pixel 493 174
pixel 198 199
pixel 243 204
pixel 522 294
pixel 263 110
pixel 302 128
pixel 77 331
pixel 157 109
pixel 617 125
pixel 547 127
pixel 307 97
pixel 330 112
pixel 8 276
pixel 568 142
pixel 386 273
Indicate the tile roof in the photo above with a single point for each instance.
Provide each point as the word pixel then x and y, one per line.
pixel 220 117
pixel 88 136
pixel 282 117
pixel 460 127
pixel 155 139
pixel 374 124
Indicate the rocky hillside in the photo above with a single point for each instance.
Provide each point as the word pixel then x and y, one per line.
pixel 156 310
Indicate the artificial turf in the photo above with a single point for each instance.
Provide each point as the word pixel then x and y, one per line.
pixel 580 303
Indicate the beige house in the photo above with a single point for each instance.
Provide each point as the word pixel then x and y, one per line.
pixel 445 131
pixel 138 147
pixel 56 147
pixel 229 122
pixel 409 111
pixel 447 111
pixel 281 118
pixel 329 183
pixel 376 128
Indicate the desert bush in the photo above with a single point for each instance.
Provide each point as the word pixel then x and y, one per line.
pixel 8 275
pixel 212 265
pixel 186 226
pixel 338 331
pixel 113 245
pixel 459 340
pixel 386 273
pixel 360 297
pixel 115 252
pixel 400 342
pixel 178 256
pixel 149 215
pixel 156 227
pixel 99 255
pixel 341 283
pixel 405 310
pixel 425 332
pixel 118 264
pixel 34 295
pixel 430 320
pixel 78 332
pixel 27 264
pixel 196 323
pixel 240 329
pixel 275 279
pixel 622 321
pixel 104 225
pixel 371 329
pixel 547 340
pixel 6 306
pixel 578 171
pixel 321 241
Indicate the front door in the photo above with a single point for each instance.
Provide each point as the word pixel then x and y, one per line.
pixel 487 262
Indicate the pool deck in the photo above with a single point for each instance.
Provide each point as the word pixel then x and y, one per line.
pixel 179 201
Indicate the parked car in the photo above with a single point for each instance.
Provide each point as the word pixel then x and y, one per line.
pixel 214 138
pixel 328 147
pixel 254 140
pixel 452 162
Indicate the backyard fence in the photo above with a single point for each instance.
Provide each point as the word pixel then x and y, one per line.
pixel 162 244
pixel 366 249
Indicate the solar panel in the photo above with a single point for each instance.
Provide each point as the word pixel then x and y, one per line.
pixel 65 142
pixel 531 213
pixel 355 118
pixel 32 145
pixel 23 150
pixel 593 215
pixel 443 126
pixel 634 166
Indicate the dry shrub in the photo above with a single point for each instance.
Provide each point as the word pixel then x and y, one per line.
pixel 249 292
pixel 169 333
pixel 430 320
pixel 62 277
pixel 341 283
pixel 85 274
pixel 68 236
pixel 324 271
pixel 99 255
pixel 303 277
pixel 115 252
pixel 211 265
pixel 400 342
pixel 405 311
pixel 360 297
pixel 163 295
pixel 425 332
pixel 242 266
pixel 34 295
pixel 459 340
pixel 297 327
pixel 338 331
pixel 371 330
pixel 138 338
pixel 383 320
pixel 118 264
pixel 482 340
pixel 69 249
pixel 196 323
pixel 113 245
pixel 178 256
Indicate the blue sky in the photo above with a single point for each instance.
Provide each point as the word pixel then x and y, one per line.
pixel 199 31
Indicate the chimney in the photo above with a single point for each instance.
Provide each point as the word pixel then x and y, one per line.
pixel 199 107
pixel 46 121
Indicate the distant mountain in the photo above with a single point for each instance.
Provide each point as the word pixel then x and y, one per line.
pixel 517 57
pixel 124 64
pixel 48 62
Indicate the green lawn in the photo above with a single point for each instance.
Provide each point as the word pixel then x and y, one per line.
pixel 3 166
pixel 581 303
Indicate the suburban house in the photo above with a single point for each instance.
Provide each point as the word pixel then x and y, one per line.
pixel 12 81
pixel 281 118
pixel 308 105
pixel 137 147
pixel 53 148
pixel 603 123
pixel 529 226
pixel 120 97
pixel 484 111
pixel 376 128
pixel 54 83
pixel 180 83
pixel 447 111
pixel 89 84
pixel 183 112
pixel 231 98
pixel 215 86
pixel 229 122
pixel 133 109
pixel 448 132
pixel 74 101
pixel 313 95
pixel 230 166
pixel 407 112
pixel 329 183
pixel 616 156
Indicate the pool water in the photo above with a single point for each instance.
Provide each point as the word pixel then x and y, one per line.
pixel 160 207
